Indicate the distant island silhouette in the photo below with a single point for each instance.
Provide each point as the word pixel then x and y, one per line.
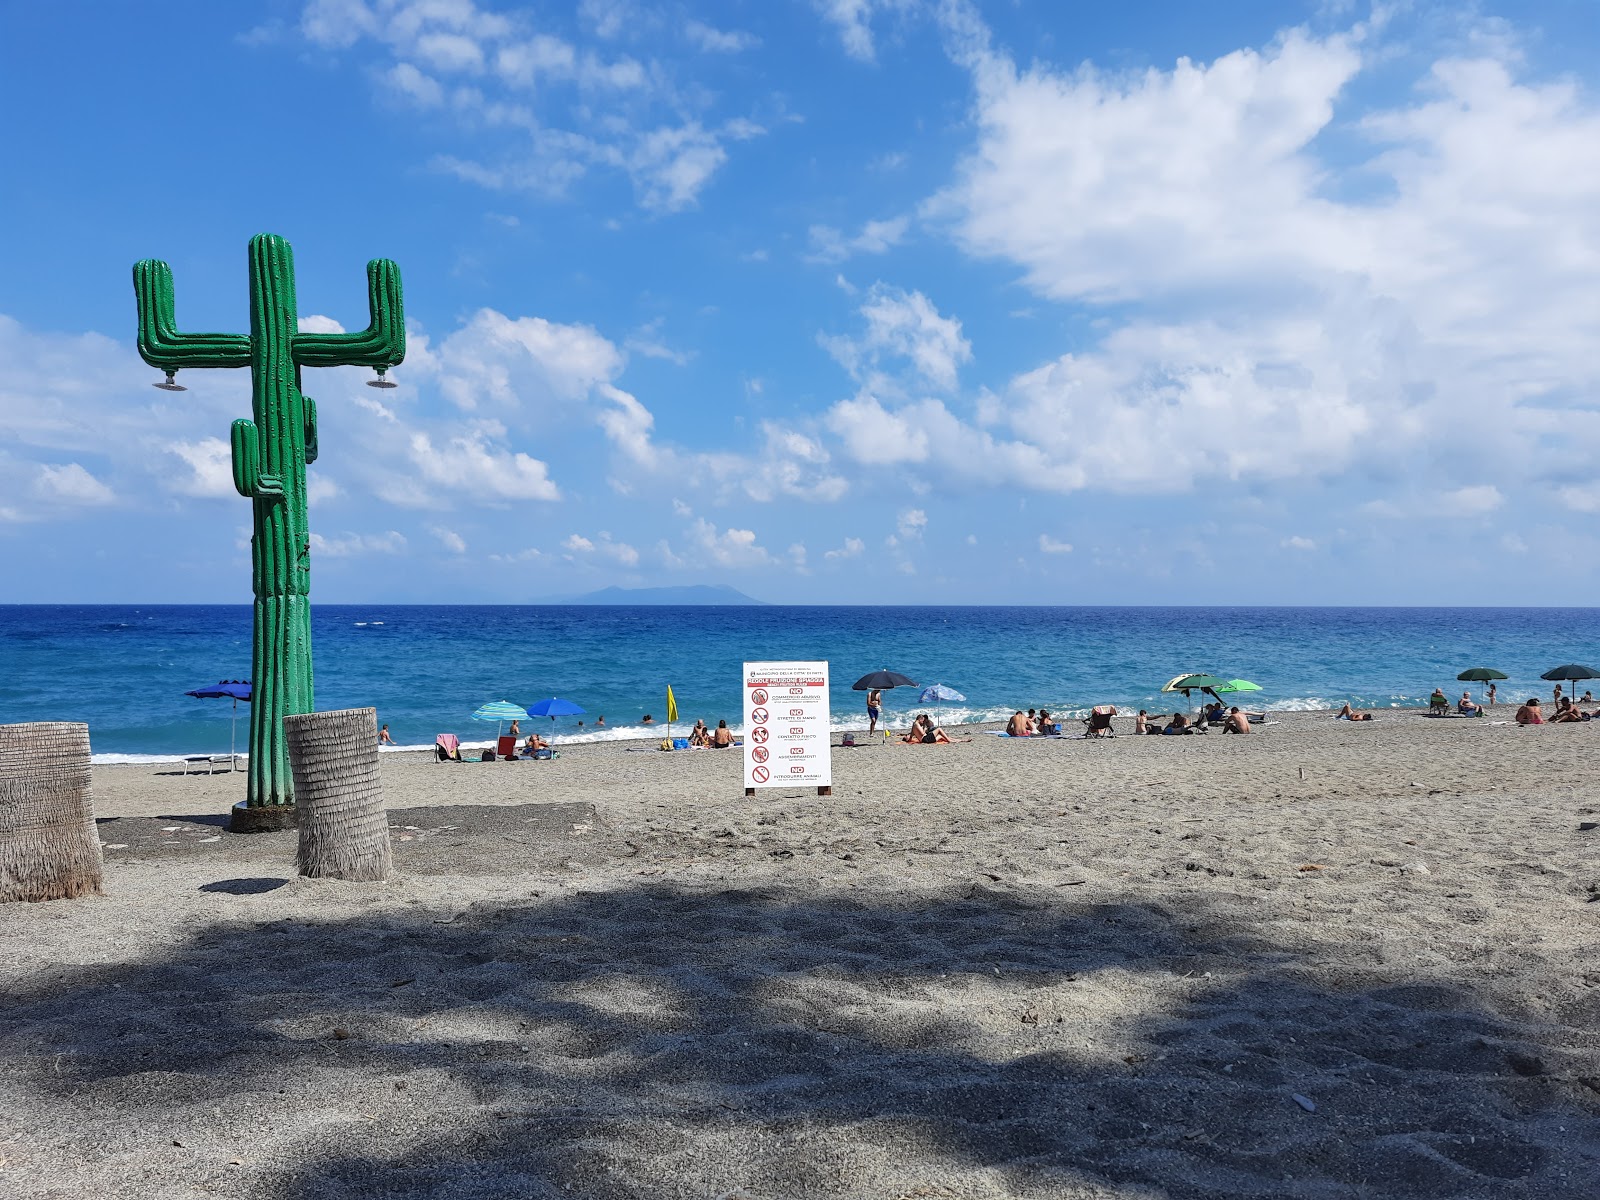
pixel 699 593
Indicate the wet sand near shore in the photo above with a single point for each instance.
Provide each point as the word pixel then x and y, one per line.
pixel 1323 960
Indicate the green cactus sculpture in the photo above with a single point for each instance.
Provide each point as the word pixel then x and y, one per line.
pixel 270 455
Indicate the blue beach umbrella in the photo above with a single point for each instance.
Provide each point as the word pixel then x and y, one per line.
pixel 229 689
pixel 937 694
pixel 553 708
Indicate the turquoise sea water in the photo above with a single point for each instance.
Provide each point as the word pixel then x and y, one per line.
pixel 425 668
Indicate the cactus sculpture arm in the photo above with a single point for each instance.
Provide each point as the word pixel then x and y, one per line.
pixel 381 344
pixel 248 479
pixel 160 343
pixel 311 428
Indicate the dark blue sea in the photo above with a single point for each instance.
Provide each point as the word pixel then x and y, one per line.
pixel 124 670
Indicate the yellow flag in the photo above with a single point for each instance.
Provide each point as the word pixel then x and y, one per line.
pixel 672 705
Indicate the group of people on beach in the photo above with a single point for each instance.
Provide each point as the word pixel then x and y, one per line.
pixel 719 738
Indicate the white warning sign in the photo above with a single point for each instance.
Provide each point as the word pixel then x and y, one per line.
pixel 786 725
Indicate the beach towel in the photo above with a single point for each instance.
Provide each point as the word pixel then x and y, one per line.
pixel 447 747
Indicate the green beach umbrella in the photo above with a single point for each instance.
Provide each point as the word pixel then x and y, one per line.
pixel 1241 685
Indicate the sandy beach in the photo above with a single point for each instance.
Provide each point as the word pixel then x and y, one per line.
pixel 1326 960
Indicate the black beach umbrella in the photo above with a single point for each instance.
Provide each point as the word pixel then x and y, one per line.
pixel 1571 671
pixel 1481 675
pixel 881 680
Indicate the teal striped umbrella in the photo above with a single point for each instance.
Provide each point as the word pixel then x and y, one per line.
pixel 501 711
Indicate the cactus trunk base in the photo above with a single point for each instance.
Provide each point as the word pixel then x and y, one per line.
pixel 262 818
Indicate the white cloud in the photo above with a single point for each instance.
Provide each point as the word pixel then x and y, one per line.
pixel 725 548
pixel 1583 498
pixel 316 323
pixel 210 463
pixel 470 463
pixel 1049 545
pixel 449 539
pixel 903 325
pixel 548 109
pixel 411 84
pixel 911 523
pixel 71 485
pixel 853 20
pixel 852 548
pixel 1297 542
pixel 1281 314
pixel 1471 501
pixel 352 545
pixel 523 365
pixel 716 41
pixel 602 546
pixel 876 237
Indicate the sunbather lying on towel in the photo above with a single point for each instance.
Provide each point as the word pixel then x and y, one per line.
pixel 1349 714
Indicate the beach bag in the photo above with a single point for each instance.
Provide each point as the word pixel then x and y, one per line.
pixel 680 743
pixel 544 753
pixel 849 739
pixel 665 745
pixel 487 756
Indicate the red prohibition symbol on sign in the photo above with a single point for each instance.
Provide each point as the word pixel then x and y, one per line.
pixel 758 696
pixel 760 774
pixel 759 753
pixel 758 734
pixel 758 716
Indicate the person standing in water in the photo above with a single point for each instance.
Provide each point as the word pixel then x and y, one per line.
pixel 874 710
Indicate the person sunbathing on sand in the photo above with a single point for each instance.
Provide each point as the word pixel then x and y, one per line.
pixel 1349 714
pixel 699 735
pixel 534 742
pixel 1018 725
pixel 1237 722
pixel 1529 713
pixel 1467 708
pixel 1566 710
pixel 1178 724
pixel 723 737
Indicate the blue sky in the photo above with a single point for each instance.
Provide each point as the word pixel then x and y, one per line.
pixel 834 301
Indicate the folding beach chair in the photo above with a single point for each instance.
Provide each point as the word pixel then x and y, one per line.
pixel 506 746
pixel 1099 721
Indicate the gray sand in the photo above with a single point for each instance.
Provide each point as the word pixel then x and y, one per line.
pixel 991 969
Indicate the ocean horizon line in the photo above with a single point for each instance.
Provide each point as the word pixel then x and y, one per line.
pixel 421 604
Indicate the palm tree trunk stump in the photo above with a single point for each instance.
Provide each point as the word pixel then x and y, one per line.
pixel 49 847
pixel 344 830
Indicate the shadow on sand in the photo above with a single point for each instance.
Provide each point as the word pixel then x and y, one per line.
pixel 660 1041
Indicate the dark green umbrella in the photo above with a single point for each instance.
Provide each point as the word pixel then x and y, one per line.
pixel 1482 675
pixel 1571 671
